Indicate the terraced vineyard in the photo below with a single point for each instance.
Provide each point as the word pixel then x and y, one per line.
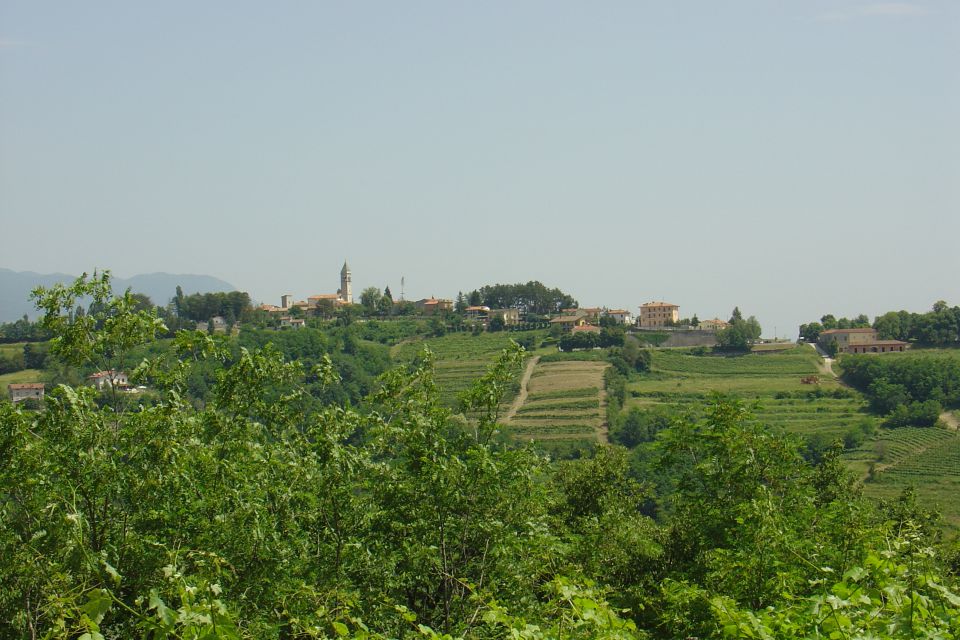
pixel 564 409
pixel 771 382
pixel 927 459
pixel 461 358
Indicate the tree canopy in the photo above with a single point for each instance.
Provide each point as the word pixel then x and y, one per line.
pixel 532 297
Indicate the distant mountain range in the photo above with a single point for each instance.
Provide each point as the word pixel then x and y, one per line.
pixel 15 288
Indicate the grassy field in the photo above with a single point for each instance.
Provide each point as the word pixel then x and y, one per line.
pixel 461 358
pixel 564 407
pixel 27 375
pixel 11 348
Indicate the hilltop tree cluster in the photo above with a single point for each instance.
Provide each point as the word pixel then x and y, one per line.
pixel 200 307
pixel 530 298
pixel 740 334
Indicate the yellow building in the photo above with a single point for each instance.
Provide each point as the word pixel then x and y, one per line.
pixel 658 314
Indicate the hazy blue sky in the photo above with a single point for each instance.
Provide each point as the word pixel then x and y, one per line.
pixel 789 157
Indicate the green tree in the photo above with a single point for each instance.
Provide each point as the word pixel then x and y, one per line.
pixel 370 299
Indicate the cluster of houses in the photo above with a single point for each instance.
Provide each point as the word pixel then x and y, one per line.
pixel 343 296
pixel 653 315
pixel 101 381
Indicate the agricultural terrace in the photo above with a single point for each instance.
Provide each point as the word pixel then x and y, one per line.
pixel 564 407
pixel 461 358
pixel 927 459
pixel 770 381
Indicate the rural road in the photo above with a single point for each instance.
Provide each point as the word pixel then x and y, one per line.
pixel 522 396
pixel 827 365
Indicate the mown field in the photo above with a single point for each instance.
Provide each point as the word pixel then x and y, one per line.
pixel 461 358
pixel 564 407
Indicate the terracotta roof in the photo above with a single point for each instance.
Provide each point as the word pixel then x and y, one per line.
pixel 325 296
pixel 480 308
pixel 613 311
pixel 25 385
pixel 588 328
pixel 860 330
pixel 105 374
pixel 659 304
pixel 565 319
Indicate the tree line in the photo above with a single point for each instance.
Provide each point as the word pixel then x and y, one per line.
pixel 939 327
pixel 908 390
pixel 530 298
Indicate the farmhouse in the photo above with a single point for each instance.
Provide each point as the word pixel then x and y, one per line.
pixel 20 391
pixel 479 313
pixel 569 322
pixel 620 315
pixel 861 340
pixel 510 316
pixel 713 325
pixel 292 323
pixel 108 379
pixel 433 306
pixel 658 314
pixel 879 346
pixel 585 328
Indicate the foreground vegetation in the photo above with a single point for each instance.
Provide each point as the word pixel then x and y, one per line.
pixel 266 512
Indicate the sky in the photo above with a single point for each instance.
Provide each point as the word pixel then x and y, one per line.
pixel 789 157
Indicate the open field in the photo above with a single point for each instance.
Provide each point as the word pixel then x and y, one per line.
pixel 461 358
pixel 564 407
pixel 11 348
pixel 27 375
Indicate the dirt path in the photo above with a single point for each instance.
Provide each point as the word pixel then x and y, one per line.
pixel 522 396
pixel 603 431
pixel 826 364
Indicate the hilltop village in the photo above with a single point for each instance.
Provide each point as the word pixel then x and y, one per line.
pixel 536 307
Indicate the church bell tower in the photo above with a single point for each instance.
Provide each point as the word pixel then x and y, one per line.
pixel 346 286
